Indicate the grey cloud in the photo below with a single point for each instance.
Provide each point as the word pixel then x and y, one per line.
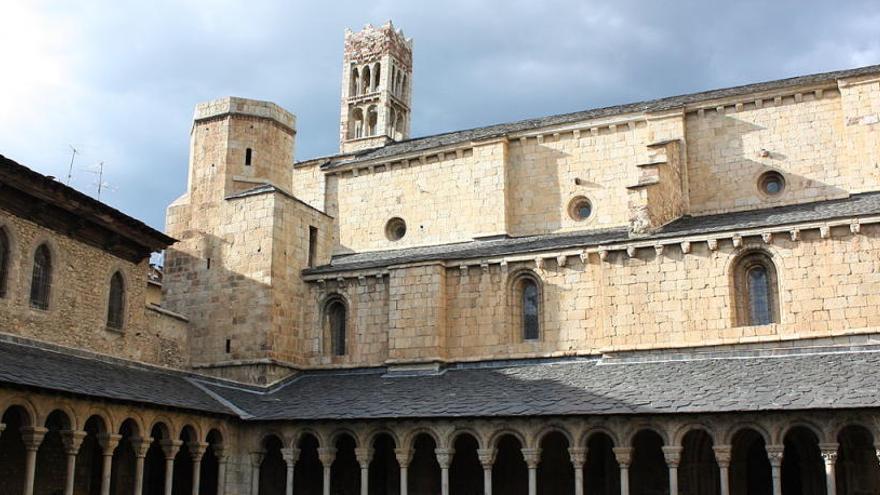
pixel 138 68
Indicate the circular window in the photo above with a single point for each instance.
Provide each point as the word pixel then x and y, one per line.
pixel 580 208
pixel 395 229
pixel 771 183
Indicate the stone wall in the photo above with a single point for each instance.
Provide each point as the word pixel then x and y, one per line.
pixel 77 313
pixel 828 285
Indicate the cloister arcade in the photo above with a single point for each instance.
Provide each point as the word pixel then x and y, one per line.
pixel 61 446
pixel 774 454
pixel 52 445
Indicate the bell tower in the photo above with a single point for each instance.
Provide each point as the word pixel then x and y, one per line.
pixel 376 88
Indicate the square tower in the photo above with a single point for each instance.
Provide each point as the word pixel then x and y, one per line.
pixel 376 82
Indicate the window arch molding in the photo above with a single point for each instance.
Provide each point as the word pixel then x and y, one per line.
pixel 54 280
pixel 525 295
pixel 114 275
pixel 336 331
pixel 755 293
pixel 8 251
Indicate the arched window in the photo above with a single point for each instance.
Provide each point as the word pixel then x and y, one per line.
pixel 372 120
pixel 335 314
pixel 366 80
pixel 4 261
pixel 756 290
pixel 355 87
pixel 377 71
pixel 357 124
pixel 41 281
pixel 116 302
pixel 527 305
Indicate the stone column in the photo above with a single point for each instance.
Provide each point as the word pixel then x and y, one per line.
pixel 578 457
pixel 140 446
pixel 327 455
pixel 72 441
pixel 169 448
pixel 722 457
pixel 774 453
pixel 291 456
pixel 32 436
pixel 197 451
pixel 256 461
pixel 487 459
pixel 829 455
pixel 364 457
pixel 404 456
pixel 444 459
pixel 672 454
pixel 220 454
pixel 108 443
pixel 532 458
pixel 624 458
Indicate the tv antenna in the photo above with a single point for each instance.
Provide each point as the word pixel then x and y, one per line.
pixel 100 184
pixel 73 153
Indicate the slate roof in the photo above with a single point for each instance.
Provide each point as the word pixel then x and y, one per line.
pixel 492 131
pixel 645 383
pixel 834 380
pixel 857 205
pixel 25 363
pixel 16 175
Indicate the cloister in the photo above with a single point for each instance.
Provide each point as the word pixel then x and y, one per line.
pixel 56 445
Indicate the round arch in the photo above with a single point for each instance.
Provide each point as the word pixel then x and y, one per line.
pixel 538 437
pixel 686 428
pixel 590 432
pixel 730 433
pixel 457 432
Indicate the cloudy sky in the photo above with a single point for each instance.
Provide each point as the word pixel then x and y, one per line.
pixel 118 79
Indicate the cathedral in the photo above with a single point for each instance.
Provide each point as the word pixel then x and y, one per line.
pixel 678 296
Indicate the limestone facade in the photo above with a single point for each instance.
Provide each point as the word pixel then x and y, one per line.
pixel 637 229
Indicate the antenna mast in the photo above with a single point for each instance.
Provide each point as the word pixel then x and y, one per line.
pixel 70 167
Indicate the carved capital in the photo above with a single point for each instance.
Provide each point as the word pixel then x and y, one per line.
pixel 72 440
pixel 257 458
pixel 578 456
pixel 170 448
pixel 623 455
pixel 774 454
pixel 364 456
pixel 829 452
pixel 532 457
pixel 722 455
pixel 444 457
pixel 487 457
pixel 141 446
pixel 108 442
pixel 197 450
pixel 327 455
pixel 32 436
pixel 404 456
pixel 290 455
pixel 672 454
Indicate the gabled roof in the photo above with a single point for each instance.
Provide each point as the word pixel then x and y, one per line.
pixel 420 144
pixel 53 205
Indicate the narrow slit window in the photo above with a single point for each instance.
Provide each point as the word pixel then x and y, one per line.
pixel 530 309
pixel 4 261
pixel 248 156
pixel 336 320
pixel 41 279
pixel 116 302
pixel 313 245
